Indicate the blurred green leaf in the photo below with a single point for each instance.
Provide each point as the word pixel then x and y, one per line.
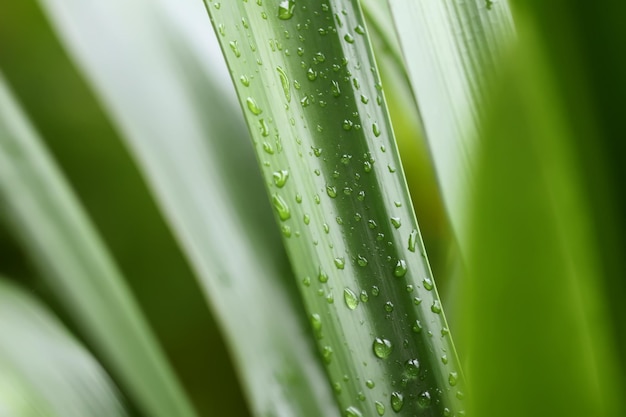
pixel 45 371
pixel 451 49
pixel 188 140
pixel 538 326
pixel 36 203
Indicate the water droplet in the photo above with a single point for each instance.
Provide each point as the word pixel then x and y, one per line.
pixel 280 177
pixel 397 401
pixel 337 387
pixel 382 347
pixel 340 263
pixel 412 368
pixel 380 408
pixel 388 306
pixel 306 281
pixel 453 378
pixel 364 99
pixel 371 224
pixel 361 260
pixel 376 129
pixel 436 307
pixel 417 327
pixel 367 166
pixel 253 107
pixel 331 191
pixel 370 384
pixel 244 80
pixel 375 291
pixel 264 128
pixel 330 298
pixel 319 57
pixel 428 283
pixel 317 200
pixel 281 207
pixel 235 48
pixel 400 269
pixel 412 240
pixel 306 219
pixel 444 359
pixel 298 198
pixel 423 400
pixel 286 230
pixel 417 301
pixel 348 38
pixel 316 322
pixel 395 221
pixel 409 288
pixel 327 353
pixel 311 74
pixel 350 298
pixel 347 124
pixel 286 9
pixel 267 147
pixel 359 29
pixel 352 412
pixel 284 81
pixel 364 297
pixel 322 276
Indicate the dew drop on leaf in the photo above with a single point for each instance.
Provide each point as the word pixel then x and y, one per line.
pixel 340 263
pixel 453 378
pixel 281 207
pixel 428 283
pixel 395 221
pixel 382 348
pixel 350 298
pixel 286 9
pixel 380 408
pixel 400 269
pixel 412 240
pixel 280 178
pixel 352 412
pixel 253 107
pixel 284 81
pixel 423 400
pixel 397 401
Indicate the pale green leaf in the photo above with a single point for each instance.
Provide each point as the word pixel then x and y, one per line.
pixel 310 90
pixel 38 206
pixel 45 371
pixel 158 86
pixel 451 49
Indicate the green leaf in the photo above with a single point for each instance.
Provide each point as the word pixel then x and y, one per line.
pixel 451 49
pixel 189 142
pixel 37 204
pixel 538 325
pixel 310 90
pixel 45 371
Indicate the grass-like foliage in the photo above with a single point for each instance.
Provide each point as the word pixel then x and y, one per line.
pixel 173 246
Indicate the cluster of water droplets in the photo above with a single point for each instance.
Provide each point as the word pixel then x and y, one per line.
pixel 321 81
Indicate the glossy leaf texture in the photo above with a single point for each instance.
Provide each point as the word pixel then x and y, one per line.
pixel 451 50
pixel 38 206
pixel 188 140
pixel 45 371
pixel 312 97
